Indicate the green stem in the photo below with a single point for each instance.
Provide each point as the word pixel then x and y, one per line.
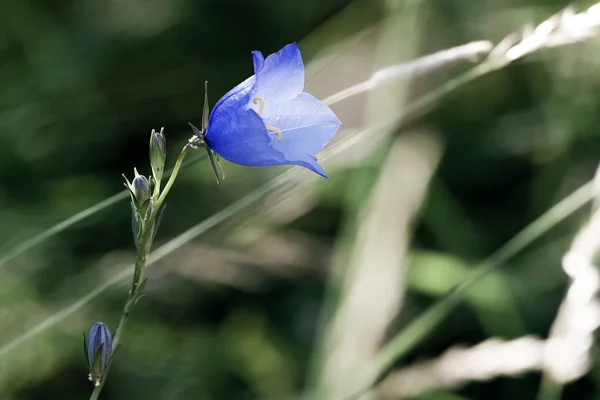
pixel 138 276
pixel 140 264
pixel 549 390
pixel 171 180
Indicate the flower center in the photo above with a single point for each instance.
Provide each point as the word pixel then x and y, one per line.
pixel 261 107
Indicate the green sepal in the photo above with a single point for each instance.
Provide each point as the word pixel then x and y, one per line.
pixel 146 209
pixel 136 225
pixel 212 163
pixel 96 367
pixel 130 189
pixel 158 155
pixel 205 109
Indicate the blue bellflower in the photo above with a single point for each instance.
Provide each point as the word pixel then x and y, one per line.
pixel 98 348
pixel 268 119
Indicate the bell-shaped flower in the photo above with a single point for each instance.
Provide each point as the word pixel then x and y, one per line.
pixel 98 349
pixel 268 119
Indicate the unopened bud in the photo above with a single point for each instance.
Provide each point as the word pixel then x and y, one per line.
pixel 98 347
pixel 141 189
pixel 158 153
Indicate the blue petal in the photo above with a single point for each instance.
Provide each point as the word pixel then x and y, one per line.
pixel 237 133
pixel 282 75
pixel 306 124
pixel 307 161
pixel 246 85
pixel 258 60
pixel 93 343
pixel 107 348
pixel 99 337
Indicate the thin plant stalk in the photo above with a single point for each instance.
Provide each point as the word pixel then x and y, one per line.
pixel 138 281
pixel 23 247
pixel 134 294
pixel 549 390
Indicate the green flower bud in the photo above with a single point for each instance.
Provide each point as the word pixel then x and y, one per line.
pixel 98 350
pixel 158 153
pixel 139 190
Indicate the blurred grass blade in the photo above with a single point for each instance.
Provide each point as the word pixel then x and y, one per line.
pixel 426 63
pixel 501 56
pixel 373 282
pixel 178 241
pixel 418 330
pixel 365 292
pixel 347 141
pixel 158 254
pixel 21 248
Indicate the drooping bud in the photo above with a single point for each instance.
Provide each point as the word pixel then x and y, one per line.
pixel 158 153
pixel 98 348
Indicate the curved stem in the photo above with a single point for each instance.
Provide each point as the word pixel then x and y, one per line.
pixel 134 293
pixel 171 180
pixel 137 284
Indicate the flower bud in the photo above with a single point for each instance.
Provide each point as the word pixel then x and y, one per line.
pixel 98 346
pixel 141 188
pixel 157 153
pixel 141 194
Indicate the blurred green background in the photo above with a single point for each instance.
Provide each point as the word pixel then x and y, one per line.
pixel 240 311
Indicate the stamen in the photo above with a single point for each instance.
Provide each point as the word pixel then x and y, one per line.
pixel 261 107
pixel 260 100
pixel 276 130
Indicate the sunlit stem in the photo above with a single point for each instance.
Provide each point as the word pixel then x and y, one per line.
pixel 134 294
pixel 137 284
pixel 173 176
